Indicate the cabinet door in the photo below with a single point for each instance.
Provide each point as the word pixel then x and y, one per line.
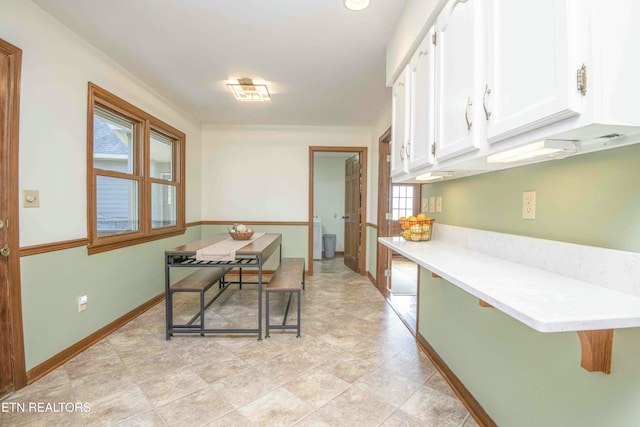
pixel 400 123
pixel 531 66
pixel 422 105
pixel 456 69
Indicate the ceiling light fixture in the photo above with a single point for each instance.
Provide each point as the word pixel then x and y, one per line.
pixel 551 148
pixel 356 5
pixel 246 90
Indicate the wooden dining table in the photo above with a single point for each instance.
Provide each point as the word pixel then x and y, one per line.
pixel 252 255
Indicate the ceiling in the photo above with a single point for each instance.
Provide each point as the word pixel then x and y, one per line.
pixel 324 65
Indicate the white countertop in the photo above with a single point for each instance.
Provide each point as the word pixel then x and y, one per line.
pixel 541 299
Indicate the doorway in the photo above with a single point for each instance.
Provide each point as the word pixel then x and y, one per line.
pixel 397 277
pixel 337 204
pixel 12 362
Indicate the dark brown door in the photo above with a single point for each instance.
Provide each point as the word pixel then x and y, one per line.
pixel 12 372
pixel 352 206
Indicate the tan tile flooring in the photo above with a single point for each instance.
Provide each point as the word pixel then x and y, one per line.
pixel 355 365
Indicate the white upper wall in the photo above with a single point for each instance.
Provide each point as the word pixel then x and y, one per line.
pixel 261 173
pixel 56 66
pixel 379 128
pixel 415 20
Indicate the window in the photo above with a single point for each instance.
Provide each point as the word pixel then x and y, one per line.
pixel 135 174
pixel 402 203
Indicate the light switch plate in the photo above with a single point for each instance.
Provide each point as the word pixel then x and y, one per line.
pixel 31 198
pixel 432 204
pixel 529 205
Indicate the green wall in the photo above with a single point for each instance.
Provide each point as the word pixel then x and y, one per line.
pixel 591 199
pixel 522 377
pixel 372 244
pixel 115 283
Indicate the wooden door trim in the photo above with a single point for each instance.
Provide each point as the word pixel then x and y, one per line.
pixel 14 55
pixel 382 261
pixel 363 212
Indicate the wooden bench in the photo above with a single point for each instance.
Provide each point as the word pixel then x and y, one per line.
pixel 200 281
pixel 289 277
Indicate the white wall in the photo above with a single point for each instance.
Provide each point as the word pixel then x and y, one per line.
pixel 56 66
pixel 261 173
pixel 329 192
pixel 410 29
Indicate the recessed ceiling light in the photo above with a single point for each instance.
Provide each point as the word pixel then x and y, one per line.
pixel 356 5
pixel 247 90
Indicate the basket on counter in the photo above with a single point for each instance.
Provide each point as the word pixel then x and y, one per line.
pixel 240 235
pixel 416 230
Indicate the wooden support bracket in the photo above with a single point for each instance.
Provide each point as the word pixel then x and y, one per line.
pixel 596 350
pixel 483 303
pixel 435 276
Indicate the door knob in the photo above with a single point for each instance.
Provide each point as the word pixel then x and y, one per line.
pixel 5 251
pixel 345 217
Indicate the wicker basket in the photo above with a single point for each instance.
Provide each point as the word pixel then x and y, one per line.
pixel 241 235
pixel 417 230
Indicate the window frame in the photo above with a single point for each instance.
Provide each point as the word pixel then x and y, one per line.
pixel 144 124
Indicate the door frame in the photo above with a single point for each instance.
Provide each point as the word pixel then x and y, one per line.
pixel 384 171
pixel 9 153
pixel 362 151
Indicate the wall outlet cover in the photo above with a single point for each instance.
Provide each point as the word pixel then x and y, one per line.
pixel 529 205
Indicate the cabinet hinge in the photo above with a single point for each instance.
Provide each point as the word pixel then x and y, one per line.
pixel 433 149
pixel 388 158
pixel 582 79
pixel 387 273
pixel 434 38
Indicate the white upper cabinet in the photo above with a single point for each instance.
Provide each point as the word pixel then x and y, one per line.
pixel 422 104
pixel 400 131
pixel 457 74
pixel 531 66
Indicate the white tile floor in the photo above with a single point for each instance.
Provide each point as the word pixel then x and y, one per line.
pixel 355 365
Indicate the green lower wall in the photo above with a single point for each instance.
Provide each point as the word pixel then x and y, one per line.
pixel 522 377
pixel 372 244
pixel 115 283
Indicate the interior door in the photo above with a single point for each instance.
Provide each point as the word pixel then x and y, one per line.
pixel 12 370
pixel 352 206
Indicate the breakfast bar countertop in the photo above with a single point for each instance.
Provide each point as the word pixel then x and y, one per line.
pixel 543 300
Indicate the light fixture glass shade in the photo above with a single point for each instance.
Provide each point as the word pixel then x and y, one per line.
pixel 246 90
pixel 356 5
pixel 547 148
pixel 433 176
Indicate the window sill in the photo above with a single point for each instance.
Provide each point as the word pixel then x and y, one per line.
pixel 97 248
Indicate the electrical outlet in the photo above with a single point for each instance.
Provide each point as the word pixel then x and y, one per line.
pixel 82 303
pixel 432 204
pixel 529 205
pixel 439 204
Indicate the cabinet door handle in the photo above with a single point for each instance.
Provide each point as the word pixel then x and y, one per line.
pixel 407 149
pixel 487 92
pixel 466 114
pixel 402 152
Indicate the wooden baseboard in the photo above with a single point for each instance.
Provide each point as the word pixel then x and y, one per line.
pixel 371 278
pixel 467 399
pixel 59 359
